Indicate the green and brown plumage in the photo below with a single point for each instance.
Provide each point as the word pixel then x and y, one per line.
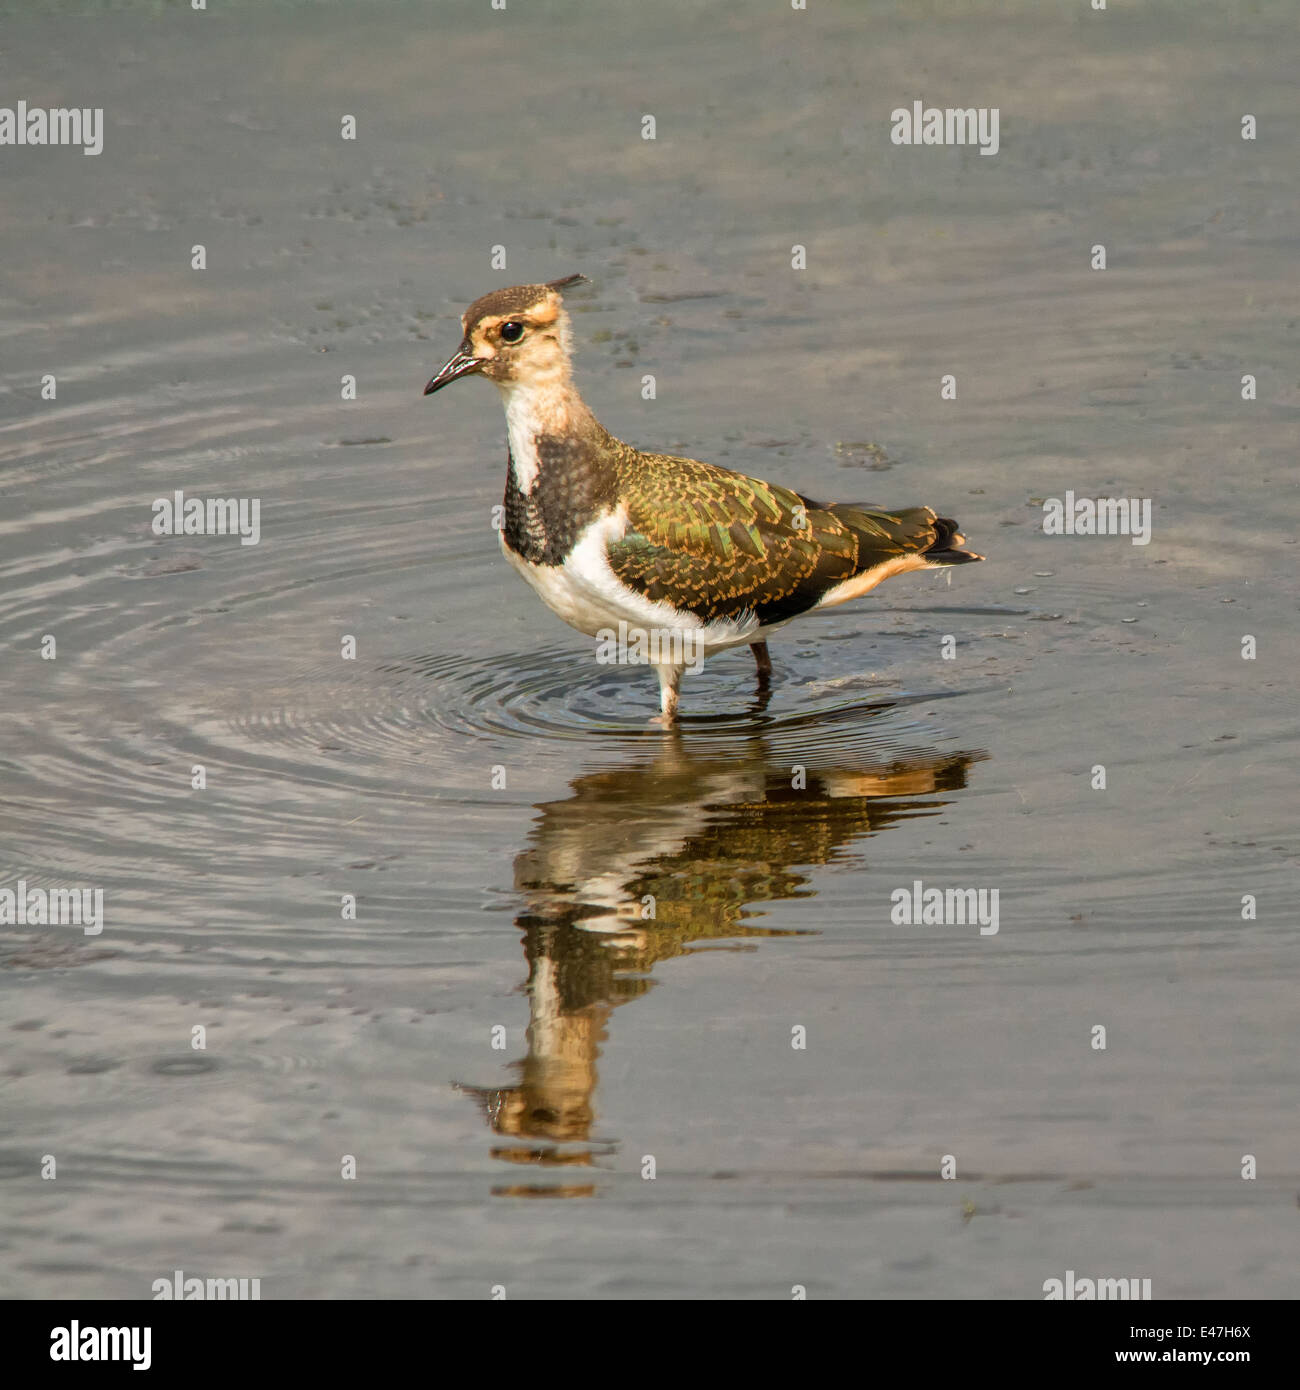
pixel 609 535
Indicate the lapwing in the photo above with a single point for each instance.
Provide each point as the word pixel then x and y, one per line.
pixel 681 557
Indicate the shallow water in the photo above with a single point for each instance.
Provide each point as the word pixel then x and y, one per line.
pixel 518 907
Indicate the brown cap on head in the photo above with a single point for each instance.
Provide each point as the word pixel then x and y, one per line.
pixel 515 299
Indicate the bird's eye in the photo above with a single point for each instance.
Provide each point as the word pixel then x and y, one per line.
pixel 511 332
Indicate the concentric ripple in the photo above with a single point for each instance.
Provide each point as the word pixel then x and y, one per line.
pixel 551 694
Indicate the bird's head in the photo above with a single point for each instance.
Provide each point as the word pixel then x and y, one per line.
pixel 514 337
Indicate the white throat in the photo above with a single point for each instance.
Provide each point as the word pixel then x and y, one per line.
pixel 523 425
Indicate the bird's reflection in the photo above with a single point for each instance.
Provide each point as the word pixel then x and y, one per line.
pixel 652 860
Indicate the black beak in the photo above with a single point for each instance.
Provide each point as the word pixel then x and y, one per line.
pixel 461 365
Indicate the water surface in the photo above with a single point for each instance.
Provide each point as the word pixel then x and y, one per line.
pixel 520 907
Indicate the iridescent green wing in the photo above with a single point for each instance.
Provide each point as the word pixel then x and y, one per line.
pixel 720 545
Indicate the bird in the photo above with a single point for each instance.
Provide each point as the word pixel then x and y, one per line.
pixel 679 558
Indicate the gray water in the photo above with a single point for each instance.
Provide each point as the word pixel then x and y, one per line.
pixel 518 907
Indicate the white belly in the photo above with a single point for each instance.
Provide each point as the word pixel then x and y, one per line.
pixel 588 595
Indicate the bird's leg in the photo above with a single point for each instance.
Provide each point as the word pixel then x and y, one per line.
pixel 670 681
pixel 763 660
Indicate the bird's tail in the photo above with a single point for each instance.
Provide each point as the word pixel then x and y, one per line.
pixel 912 530
pixel 943 550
